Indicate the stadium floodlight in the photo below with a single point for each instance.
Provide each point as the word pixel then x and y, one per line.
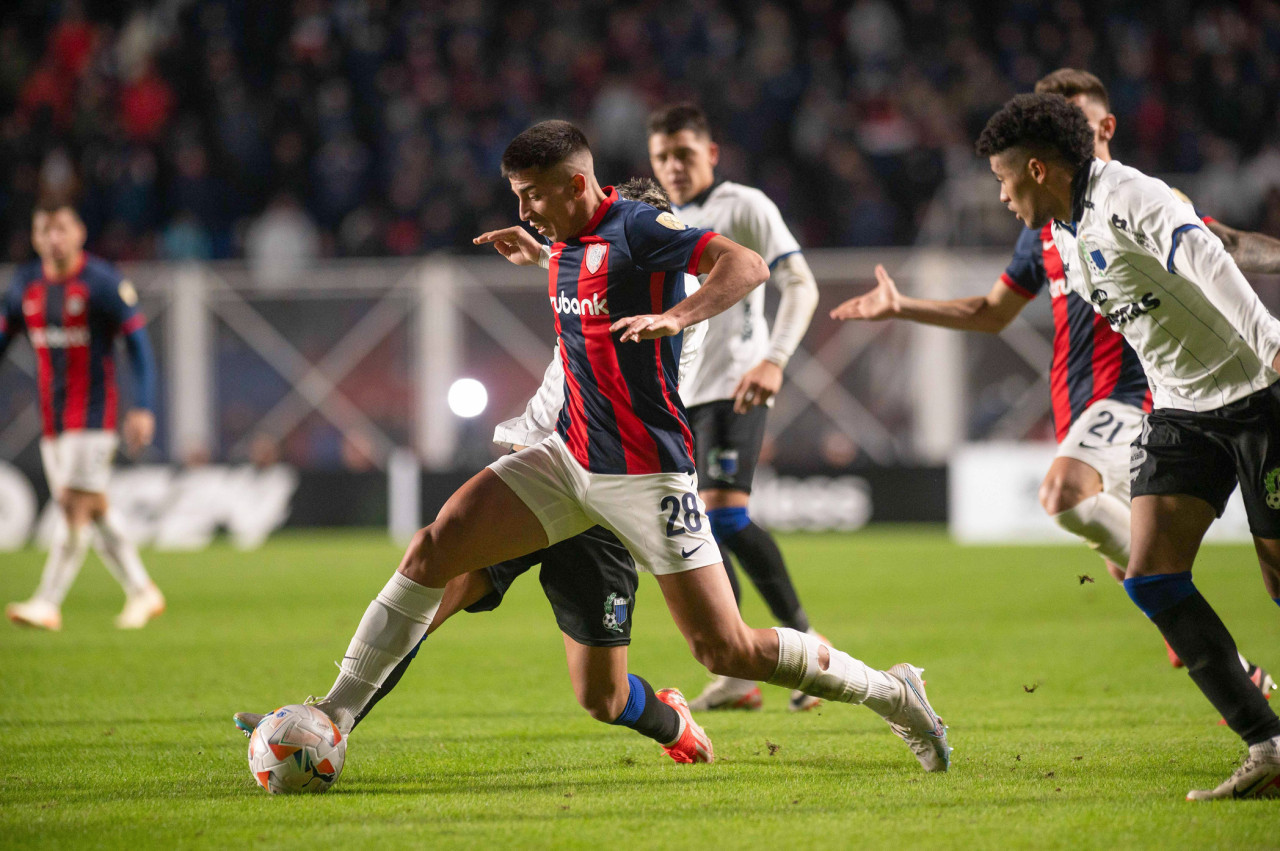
pixel 468 398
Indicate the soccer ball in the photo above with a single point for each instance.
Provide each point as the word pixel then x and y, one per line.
pixel 296 749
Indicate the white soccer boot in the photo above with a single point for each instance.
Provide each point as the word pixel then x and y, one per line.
pixel 1258 777
pixel 916 723
pixel 140 608
pixel 728 693
pixel 40 614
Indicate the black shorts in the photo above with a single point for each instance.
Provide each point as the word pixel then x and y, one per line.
pixel 590 580
pixel 1204 454
pixel 726 445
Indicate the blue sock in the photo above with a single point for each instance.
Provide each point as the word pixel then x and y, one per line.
pixel 1276 600
pixel 1154 594
pixel 647 715
pixel 727 522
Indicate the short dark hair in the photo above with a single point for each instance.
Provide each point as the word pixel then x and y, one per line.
pixel 1070 82
pixel 1047 125
pixel 543 145
pixel 52 202
pixel 646 190
pixel 681 116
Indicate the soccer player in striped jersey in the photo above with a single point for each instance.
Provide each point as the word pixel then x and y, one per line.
pixel 621 456
pixel 73 307
pixel 738 372
pixel 1099 390
pixel 1145 260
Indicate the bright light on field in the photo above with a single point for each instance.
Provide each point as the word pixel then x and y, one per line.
pixel 468 398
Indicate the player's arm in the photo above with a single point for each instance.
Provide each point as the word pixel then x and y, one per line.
pixel 991 313
pixel 119 300
pixel 1252 251
pixel 539 417
pixel 732 271
pixel 799 300
pixel 12 322
pixel 1144 214
pixel 514 243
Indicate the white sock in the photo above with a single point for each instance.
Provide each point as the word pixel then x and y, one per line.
pixel 120 555
pixel 67 551
pixel 392 626
pixel 845 679
pixel 1103 521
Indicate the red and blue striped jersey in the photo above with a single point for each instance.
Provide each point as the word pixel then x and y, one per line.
pixel 72 325
pixel 622 414
pixel 1091 361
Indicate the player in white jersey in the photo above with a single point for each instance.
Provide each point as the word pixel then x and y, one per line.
pixel 738 371
pixel 1096 382
pixel 1211 351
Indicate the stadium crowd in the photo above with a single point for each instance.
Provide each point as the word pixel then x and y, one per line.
pixel 227 128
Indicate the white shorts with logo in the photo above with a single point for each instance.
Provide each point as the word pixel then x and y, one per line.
pixel 1100 437
pixel 79 460
pixel 659 516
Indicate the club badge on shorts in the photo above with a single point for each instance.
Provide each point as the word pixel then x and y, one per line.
pixel 1272 483
pixel 615 612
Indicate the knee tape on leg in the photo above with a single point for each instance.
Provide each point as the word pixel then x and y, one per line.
pixel 1102 521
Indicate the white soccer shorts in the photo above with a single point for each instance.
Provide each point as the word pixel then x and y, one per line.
pixel 659 517
pixel 79 460
pixel 1100 437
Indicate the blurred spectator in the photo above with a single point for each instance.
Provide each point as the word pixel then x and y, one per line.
pixel 281 243
pixel 385 119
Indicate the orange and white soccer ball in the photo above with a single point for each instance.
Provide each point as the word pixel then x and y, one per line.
pixel 296 749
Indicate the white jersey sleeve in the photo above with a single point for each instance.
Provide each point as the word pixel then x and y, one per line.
pixel 757 224
pixel 539 417
pixel 1160 221
pixel 799 299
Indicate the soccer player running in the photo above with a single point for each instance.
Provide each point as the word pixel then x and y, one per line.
pixel 738 372
pixel 1098 388
pixel 1211 351
pixel 621 455
pixel 589 579
pixel 72 307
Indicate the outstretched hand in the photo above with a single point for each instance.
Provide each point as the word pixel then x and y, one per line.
pixel 647 326
pixel 883 302
pixel 514 243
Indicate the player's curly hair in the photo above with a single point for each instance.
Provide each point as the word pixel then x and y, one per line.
pixel 646 190
pixel 1046 124
pixel 545 144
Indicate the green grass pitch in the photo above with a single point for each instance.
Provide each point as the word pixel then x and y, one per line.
pixel 1071 729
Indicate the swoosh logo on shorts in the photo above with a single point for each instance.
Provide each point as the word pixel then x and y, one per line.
pixel 684 554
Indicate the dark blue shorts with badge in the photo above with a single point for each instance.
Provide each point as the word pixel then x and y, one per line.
pixel 1205 453
pixel 590 580
pixel 726 446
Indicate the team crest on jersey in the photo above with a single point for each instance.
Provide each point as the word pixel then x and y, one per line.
pixel 1272 483
pixel 128 294
pixel 615 612
pixel 75 305
pixel 596 252
pixel 668 220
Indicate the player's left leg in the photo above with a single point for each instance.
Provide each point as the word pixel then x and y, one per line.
pixel 702 606
pixel 143 600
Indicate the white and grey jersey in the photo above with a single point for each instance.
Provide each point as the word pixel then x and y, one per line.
pixel 1143 258
pixel 539 418
pixel 739 338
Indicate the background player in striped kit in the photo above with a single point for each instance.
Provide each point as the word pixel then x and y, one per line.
pixel 739 370
pixel 1099 389
pixel 72 307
